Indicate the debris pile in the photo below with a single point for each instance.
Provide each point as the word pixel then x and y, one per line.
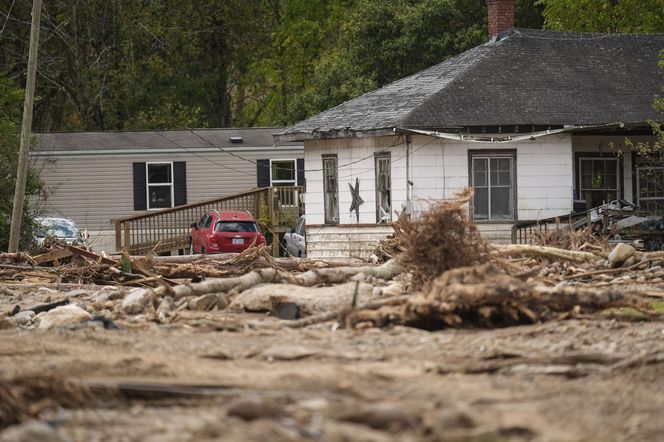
pixel 442 274
pixel 439 239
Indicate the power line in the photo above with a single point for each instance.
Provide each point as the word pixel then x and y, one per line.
pixel 283 168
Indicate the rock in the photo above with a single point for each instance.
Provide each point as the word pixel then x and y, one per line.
pixel 383 416
pixel 63 315
pixel 135 301
pixel 620 253
pixel 77 292
pixel 204 302
pixel 630 261
pixel 252 409
pixel 107 293
pixel 31 431
pixel 310 300
pixel 288 352
pixel 24 318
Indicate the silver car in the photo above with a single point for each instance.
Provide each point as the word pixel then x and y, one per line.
pixel 294 240
pixel 62 228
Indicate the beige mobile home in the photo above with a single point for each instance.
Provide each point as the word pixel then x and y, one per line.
pixel 94 177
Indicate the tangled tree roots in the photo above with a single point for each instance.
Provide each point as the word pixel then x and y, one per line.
pixel 487 297
pixel 442 238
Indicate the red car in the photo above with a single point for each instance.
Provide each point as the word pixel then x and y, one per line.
pixel 224 232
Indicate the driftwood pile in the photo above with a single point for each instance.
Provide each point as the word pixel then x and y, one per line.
pixel 441 274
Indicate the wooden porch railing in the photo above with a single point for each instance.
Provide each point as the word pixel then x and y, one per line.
pixel 524 232
pixel 169 229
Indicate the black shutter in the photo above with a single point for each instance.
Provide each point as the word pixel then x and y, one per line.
pixel 140 192
pixel 263 173
pixel 300 171
pixel 179 183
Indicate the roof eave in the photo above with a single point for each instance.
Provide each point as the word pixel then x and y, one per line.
pixel 334 133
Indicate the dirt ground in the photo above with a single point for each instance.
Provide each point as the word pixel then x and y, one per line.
pixel 214 377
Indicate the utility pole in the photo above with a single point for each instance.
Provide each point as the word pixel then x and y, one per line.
pixel 26 129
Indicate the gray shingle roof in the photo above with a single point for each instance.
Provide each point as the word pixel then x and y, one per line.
pixel 525 77
pixel 157 139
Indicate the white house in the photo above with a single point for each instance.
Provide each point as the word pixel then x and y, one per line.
pixel 535 121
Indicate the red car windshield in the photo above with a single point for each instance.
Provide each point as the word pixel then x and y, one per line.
pixel 236 226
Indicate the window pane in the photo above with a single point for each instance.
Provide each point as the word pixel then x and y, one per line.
pixel 611 182
pixel 611 166
pixel 501 207
pixel 586 181
pixel 494 177
pixel 331 188
pixel 501 164
pixel 283 170
pixel 481 203
pixel 586 166
pixel 480 172
pixel 236 226
pixel 159 174
pixel 160 197
pixel 505 178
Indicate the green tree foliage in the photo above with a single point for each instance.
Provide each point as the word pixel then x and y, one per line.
pixel 11 104
pixel 121 64
pixel 628 16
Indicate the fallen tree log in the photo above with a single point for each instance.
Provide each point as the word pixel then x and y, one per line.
pixel 545 252
pixel 332 275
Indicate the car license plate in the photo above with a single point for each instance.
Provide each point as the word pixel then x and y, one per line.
pixel 238 241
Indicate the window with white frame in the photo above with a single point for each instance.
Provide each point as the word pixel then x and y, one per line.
pixel 159 185
pixel 383 167
pixel 492 178
pixel 283 173
pixel 598 180
pixel 650 185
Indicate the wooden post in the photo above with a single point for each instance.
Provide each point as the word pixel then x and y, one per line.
pixel 127 238
pixel 26 129
pixel 118 236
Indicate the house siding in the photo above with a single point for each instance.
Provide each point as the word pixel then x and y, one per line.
pixel 439 169
pixel 94 187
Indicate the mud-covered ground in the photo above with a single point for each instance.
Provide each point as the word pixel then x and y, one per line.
pixel 598 378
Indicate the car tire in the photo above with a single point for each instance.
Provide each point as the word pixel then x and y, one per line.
pixel 202 250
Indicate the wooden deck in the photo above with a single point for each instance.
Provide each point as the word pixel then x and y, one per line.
pixel 169 230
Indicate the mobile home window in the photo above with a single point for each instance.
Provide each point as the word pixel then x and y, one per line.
pixel 383 188
pixel 650 185
pixel 331 189
pixel 493 181
pixel 283 173
pixel 159 185
pixel 599 183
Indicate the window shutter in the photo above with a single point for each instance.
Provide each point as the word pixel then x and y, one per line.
pixel 179 183
pixel 263 173
pixel 300 171
pixel 140 192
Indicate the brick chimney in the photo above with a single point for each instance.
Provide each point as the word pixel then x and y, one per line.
pixel 501 16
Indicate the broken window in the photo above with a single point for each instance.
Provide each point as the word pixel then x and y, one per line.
pixel 650 185
pixel 598 180
pixel 383 188
pixel 160 185
pixel 283 173
pixel 330 189
pixel 492 178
